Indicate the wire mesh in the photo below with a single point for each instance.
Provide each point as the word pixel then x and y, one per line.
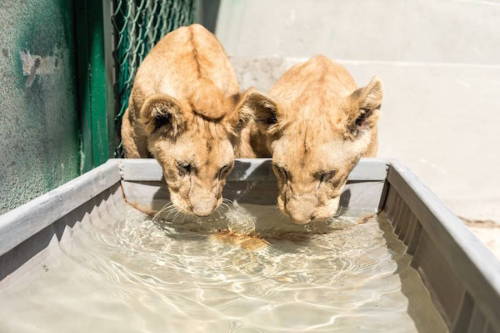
pixel 139 25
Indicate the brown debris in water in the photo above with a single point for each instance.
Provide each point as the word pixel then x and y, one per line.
pixel 254 242
pixel 247 242
pixel 366 218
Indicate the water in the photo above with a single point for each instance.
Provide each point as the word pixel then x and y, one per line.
pixel 349 275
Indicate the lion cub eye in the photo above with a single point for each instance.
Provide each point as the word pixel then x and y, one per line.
pixel 324 176
pixel 282 172
pixel 224 171
pixel 184 168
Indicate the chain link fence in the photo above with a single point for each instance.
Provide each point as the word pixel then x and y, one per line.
pixel 139 25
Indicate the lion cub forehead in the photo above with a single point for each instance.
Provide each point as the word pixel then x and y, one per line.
pixel 336 153
pixel 332 154
pixel 194 146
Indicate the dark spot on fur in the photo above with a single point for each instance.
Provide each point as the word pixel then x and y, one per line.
pixel 306 146
pixel 364 114
pixel 269 117
pixel 5 52
pixel 209 146
pixel 272 119
pixel 356 94
pixel 195 52
pixel 235 98
pixel 302 162
pixel 161 120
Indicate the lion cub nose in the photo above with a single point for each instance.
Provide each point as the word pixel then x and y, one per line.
pixel 203 210
pixel 300 216
pixel 300 209
pixel 300 219
pixel 204 207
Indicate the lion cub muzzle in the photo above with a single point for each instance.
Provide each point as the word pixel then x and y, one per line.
pixel 306 208
pixel 203 201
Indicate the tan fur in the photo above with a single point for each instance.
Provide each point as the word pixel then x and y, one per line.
pixel 316 125
pixel 185 111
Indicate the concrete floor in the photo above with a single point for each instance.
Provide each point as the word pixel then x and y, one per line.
pixel 440 64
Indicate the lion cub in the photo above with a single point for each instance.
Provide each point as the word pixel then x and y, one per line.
pixel 317 125
pixel 185 111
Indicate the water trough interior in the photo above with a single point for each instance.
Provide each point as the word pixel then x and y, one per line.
pixel 349 275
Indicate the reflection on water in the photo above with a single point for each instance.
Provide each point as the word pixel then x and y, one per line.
pixel 159 276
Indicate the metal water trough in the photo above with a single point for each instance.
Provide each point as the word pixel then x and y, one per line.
pixel 462 276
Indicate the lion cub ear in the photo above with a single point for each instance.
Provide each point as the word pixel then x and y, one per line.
pixel 365 103
pixel 259 107
pixel 162 112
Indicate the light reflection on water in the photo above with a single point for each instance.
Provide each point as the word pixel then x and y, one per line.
pixel 158 276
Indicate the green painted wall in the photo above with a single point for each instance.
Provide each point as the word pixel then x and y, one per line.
pixel 39 130
pixel 95 72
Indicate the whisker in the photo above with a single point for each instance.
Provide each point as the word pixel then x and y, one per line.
pixel 227 201
pixel 163 209
pixel 169 211
pixel 172 210
pixel 176 213
pixel 168 204
pixel 228 205
pixel 221 210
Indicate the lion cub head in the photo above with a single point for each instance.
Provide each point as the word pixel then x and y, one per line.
pixel 317 125
pixel 185 110
pixel 194 140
